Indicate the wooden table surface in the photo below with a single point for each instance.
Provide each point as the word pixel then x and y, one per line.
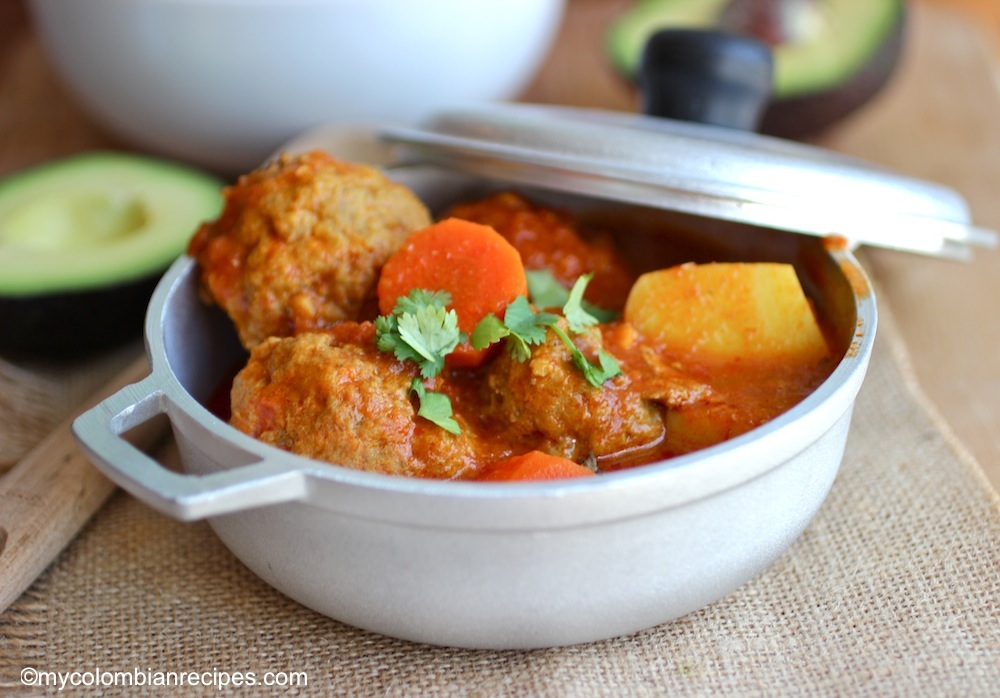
pixel 939 119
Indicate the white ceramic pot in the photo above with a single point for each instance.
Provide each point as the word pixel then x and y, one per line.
pixel 484 564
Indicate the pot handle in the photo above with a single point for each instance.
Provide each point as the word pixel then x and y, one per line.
pixel 100 430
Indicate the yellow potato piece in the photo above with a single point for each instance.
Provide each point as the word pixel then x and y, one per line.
pixel 728 311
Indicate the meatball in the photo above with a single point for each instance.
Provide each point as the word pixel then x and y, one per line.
pixel 300 242
pixel 656 376
pixel 334 396
pixel 547 404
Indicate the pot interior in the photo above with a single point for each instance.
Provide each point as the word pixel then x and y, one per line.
pixel 203 352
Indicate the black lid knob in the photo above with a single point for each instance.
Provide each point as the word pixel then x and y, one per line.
pixel 707 76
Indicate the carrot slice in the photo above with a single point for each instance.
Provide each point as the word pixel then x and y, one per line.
pixel 534 465
pixel 472 262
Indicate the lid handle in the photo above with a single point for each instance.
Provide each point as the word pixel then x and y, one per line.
pixel 708 76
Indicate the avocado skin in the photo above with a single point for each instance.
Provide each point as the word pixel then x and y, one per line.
pixel 72 325
pixel 807 116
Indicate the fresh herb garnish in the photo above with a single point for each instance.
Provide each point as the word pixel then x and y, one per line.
pixel 421 329
pixel 522 327
pixel 577 317
pixel 579 320
pixel 545 291
pixel 595 375
pixel 435 407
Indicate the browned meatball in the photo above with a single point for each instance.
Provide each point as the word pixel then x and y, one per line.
pixel 334 397
pixel 300 242
pixel 546 403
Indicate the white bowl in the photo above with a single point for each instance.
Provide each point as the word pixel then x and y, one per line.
pixel 222 83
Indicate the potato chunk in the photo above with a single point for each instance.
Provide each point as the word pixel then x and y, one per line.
pixel 751 311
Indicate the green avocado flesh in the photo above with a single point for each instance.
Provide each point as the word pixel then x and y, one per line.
pixel 838 41
pixel 96 220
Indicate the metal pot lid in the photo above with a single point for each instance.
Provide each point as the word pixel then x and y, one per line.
pixel 698 169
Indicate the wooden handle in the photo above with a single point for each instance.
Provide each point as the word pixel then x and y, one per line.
pixel 53 491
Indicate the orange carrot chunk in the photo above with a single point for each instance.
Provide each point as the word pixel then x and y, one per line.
pixel 534 465
pixel 476 265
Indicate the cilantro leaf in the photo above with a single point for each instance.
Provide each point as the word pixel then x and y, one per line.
pixel 609 368
pixel 521 327
pixel 420 330
pixel 435 407
pixel 487 331
pixel 386 336
pixel 421 298
pixel 595 375
pixel 432 333
pixel 525 322
pixel 526 327
pixel 578 318
pixel 545 291
pixel 387 339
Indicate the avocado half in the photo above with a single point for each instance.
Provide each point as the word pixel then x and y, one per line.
pixel 830 56
pixel 83 242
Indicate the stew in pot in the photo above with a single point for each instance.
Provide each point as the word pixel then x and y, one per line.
pixel 502 340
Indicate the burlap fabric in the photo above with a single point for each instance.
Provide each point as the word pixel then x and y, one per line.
pixel 893 590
